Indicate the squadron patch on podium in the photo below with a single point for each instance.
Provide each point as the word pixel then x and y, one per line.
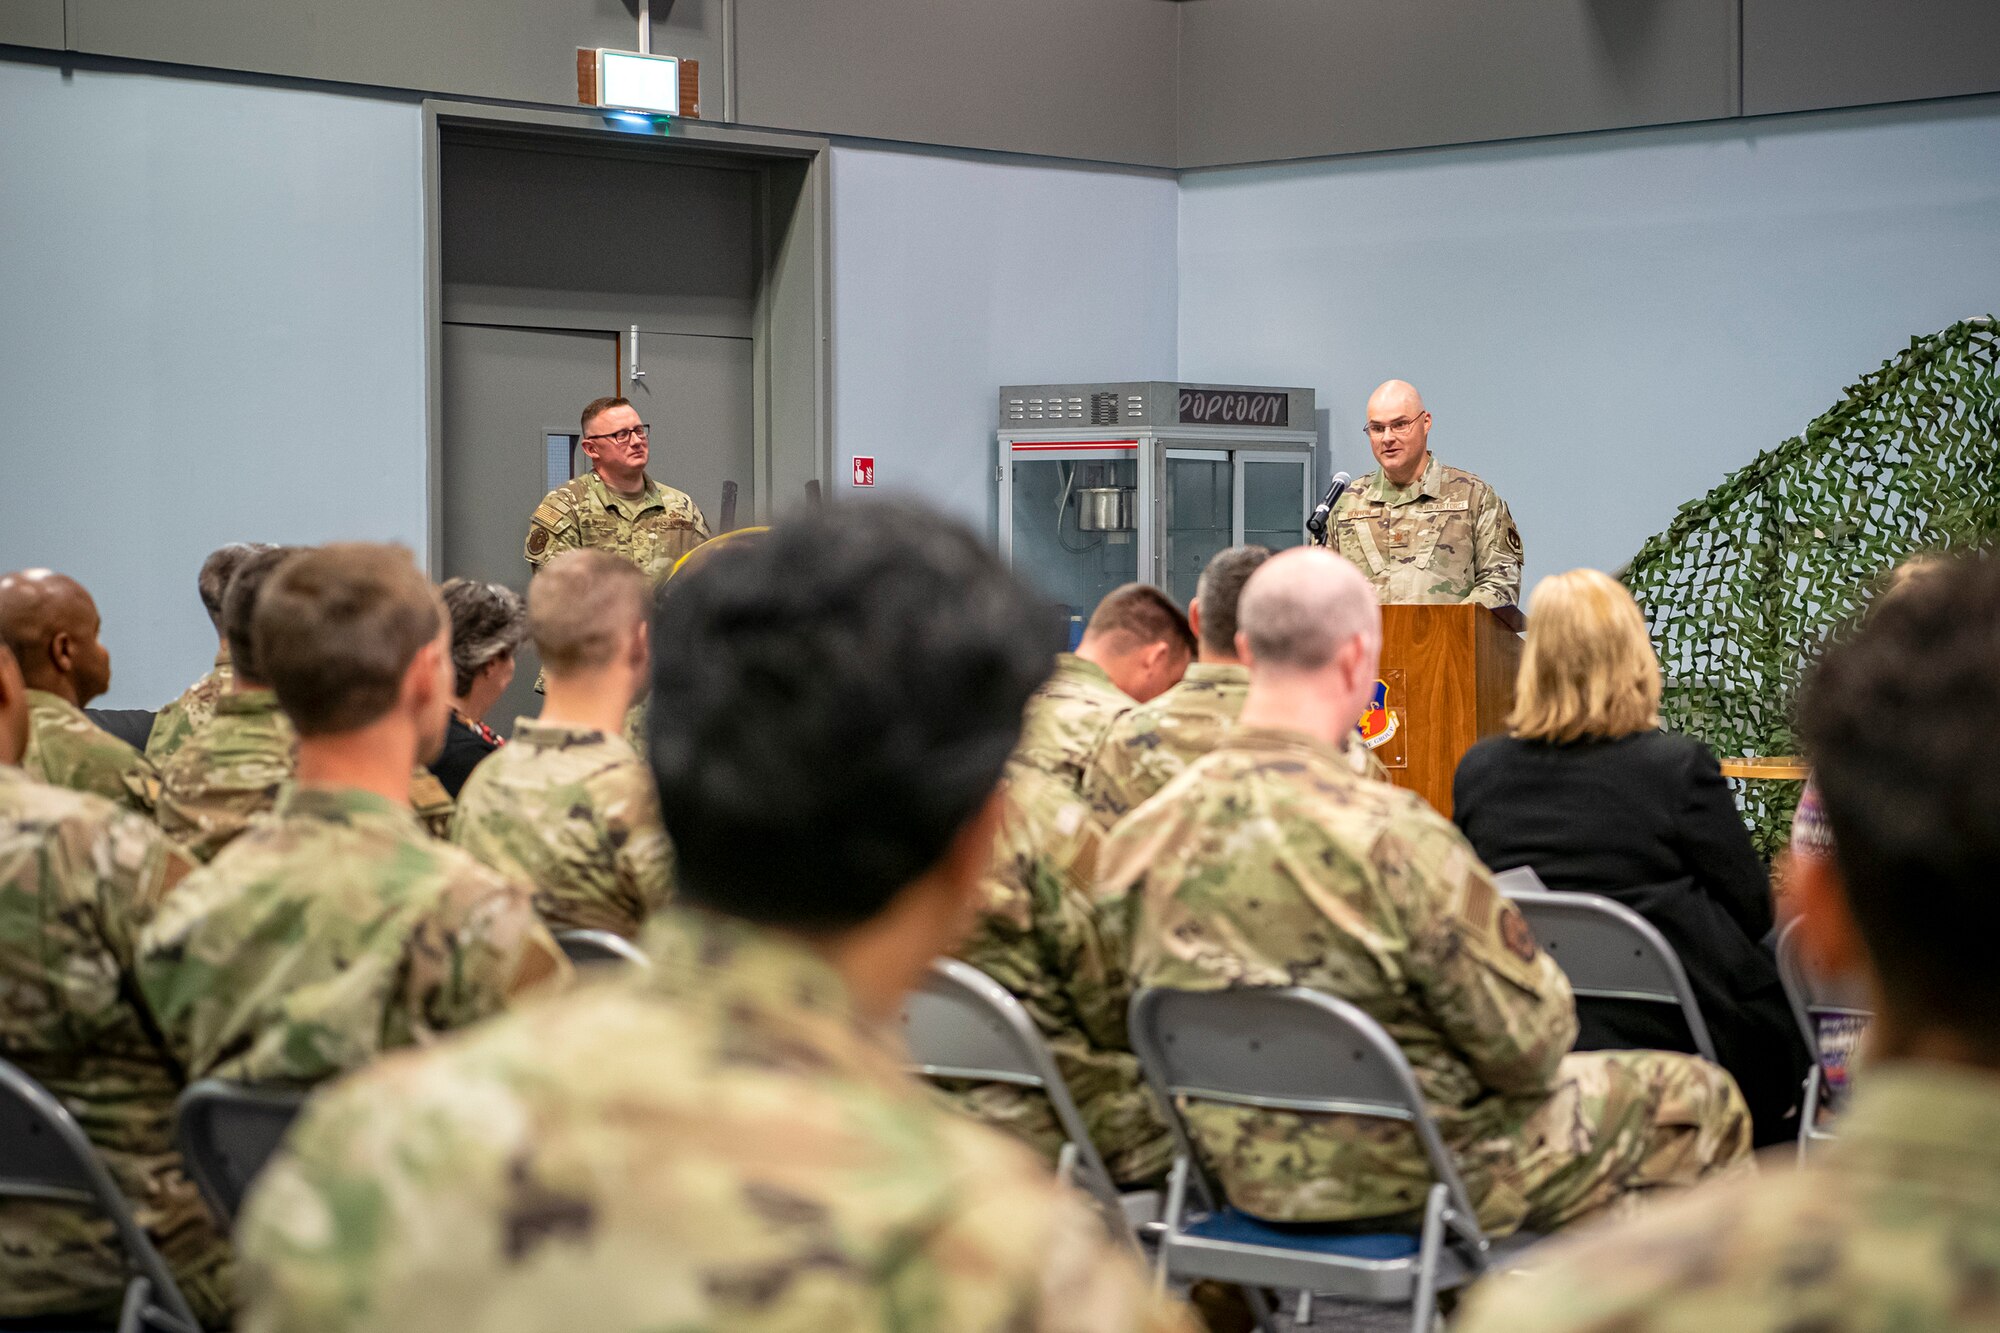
pixel 1377 724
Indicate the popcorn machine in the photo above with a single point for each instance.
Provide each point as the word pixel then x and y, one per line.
pixel 1103 484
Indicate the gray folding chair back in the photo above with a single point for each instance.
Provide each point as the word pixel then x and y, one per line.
pixel 1814 1001
pixel 1610 952
pixel 226 1133
pixel 1308 1052
pixel 586 948
pixel 46 1157
pixel 962 1024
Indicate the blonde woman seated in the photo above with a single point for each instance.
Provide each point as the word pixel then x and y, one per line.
pixel 1589 791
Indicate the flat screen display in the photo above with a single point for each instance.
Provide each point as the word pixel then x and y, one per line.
pixel 1235 407
pixel 645 83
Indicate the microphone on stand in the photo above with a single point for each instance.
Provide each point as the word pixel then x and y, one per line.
pixel 1316 525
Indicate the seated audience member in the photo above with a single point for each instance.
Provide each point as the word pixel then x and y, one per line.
pixel 1891 1225
pixel 230 771
pixel 196 704
pixel 335 929
pixel 1038 936
pixel 1270 863
pixel 51 624
pixel 1588 791
pixel 1136 645
pixel 568 806
pixel 727 1141
pixel 488 623
pixel 78 877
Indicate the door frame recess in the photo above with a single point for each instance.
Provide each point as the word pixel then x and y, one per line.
pixel 793 319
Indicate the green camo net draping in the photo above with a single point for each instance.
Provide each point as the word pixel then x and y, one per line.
pixel 1747 581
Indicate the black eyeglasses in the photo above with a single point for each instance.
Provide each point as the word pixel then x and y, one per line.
pixel 626 436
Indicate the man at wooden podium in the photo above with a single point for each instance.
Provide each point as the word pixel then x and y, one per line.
pixel 1421 531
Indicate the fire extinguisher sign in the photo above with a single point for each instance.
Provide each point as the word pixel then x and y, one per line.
pixel 864 471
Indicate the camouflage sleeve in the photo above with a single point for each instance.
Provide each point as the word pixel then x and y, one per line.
pixel 481 948
pixel 1090 1285
pixel 1129 765
pixel 172 726
pixel 642 856
pixel 1502 1002
pixel 135 867
pixel 552 529
pixel 1496 554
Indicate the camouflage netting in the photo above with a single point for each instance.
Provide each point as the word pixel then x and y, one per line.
pixel 1747 581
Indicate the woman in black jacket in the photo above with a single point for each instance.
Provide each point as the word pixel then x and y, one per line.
pixel 1590 792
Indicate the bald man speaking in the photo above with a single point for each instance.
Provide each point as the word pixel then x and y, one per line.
pixel 1421 531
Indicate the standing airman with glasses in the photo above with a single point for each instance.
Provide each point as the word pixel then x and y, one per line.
pixel 615 506
pixel 1421 531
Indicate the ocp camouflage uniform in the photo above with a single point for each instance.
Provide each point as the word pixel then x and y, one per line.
pixel 1269 863
pixel 78 878
pixel 1894 1225
pixel 573 813
pixel 722 1142
pixel 1147 748
pixel 228 773
pixel 330 932
pixel 1066 719
pixel 652 531
pixel 1037 936
pixel 67 749
pixel 1445 537
pixel 188 714
pixel 431 802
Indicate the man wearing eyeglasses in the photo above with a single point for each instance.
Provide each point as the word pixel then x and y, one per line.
pixel 615 506
pixel 1421 531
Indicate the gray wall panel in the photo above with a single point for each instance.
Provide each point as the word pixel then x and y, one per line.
pixel 1070 78
pixel 1266 79
pixel 1801 55
pixel 31 23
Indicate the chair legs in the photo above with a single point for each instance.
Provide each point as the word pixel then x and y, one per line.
pixel 1423 1314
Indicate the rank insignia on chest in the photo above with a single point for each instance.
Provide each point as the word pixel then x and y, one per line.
pixel 1399 537
pixel 1377 724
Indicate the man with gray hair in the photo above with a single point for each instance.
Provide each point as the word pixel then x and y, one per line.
pixel 568 806
pixel 1269 863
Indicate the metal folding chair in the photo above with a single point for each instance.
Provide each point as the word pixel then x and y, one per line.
pixel 46 1157
pixel 226 1133
pixel 963 1024
pixel 1812 1000
pixel 587 947
pixel 1298 1050
pixel 1610 952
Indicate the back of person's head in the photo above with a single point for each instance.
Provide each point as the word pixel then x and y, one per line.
pixel 832 707
pixel 488 622
pixel 1302 607
pixel 239 607
pixel 216 571
pixel 1137 615
pixel 1219 590
pixel 582 609
pixel 1588 671
pixel 1899 719
pixel 335 631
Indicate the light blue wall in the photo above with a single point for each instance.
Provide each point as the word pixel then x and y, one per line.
pixel 211 328
pixel 955 274
pixel 1603 327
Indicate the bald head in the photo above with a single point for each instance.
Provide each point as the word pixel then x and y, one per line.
pixel 1399 431
pixel 1302 607
pixel 50 623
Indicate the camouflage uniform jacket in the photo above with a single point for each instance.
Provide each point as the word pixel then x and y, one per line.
pixel 652 531
pixel 1895 1225
pixel 330 932
pixel 1066 719
pixel 228 773
pixel 78 878
pixel 189 713
pixel 67 749
pixel 573 813
pixel 1445 537
pixel 719 1143
pixel 1269 863
pixel 1038 937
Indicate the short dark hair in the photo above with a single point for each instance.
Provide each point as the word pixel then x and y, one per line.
pixel 335 630
pixel 239 606
pixel 1898 720
pixel 488 621
pixel 1145 614
pixel 216 571
pixel 1220 588
pixel 596 408
pixel 831 704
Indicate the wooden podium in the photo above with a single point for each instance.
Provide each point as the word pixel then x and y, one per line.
pixel 1450 677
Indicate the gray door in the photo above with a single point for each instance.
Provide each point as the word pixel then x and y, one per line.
pixel 505 392
pixel 696 395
